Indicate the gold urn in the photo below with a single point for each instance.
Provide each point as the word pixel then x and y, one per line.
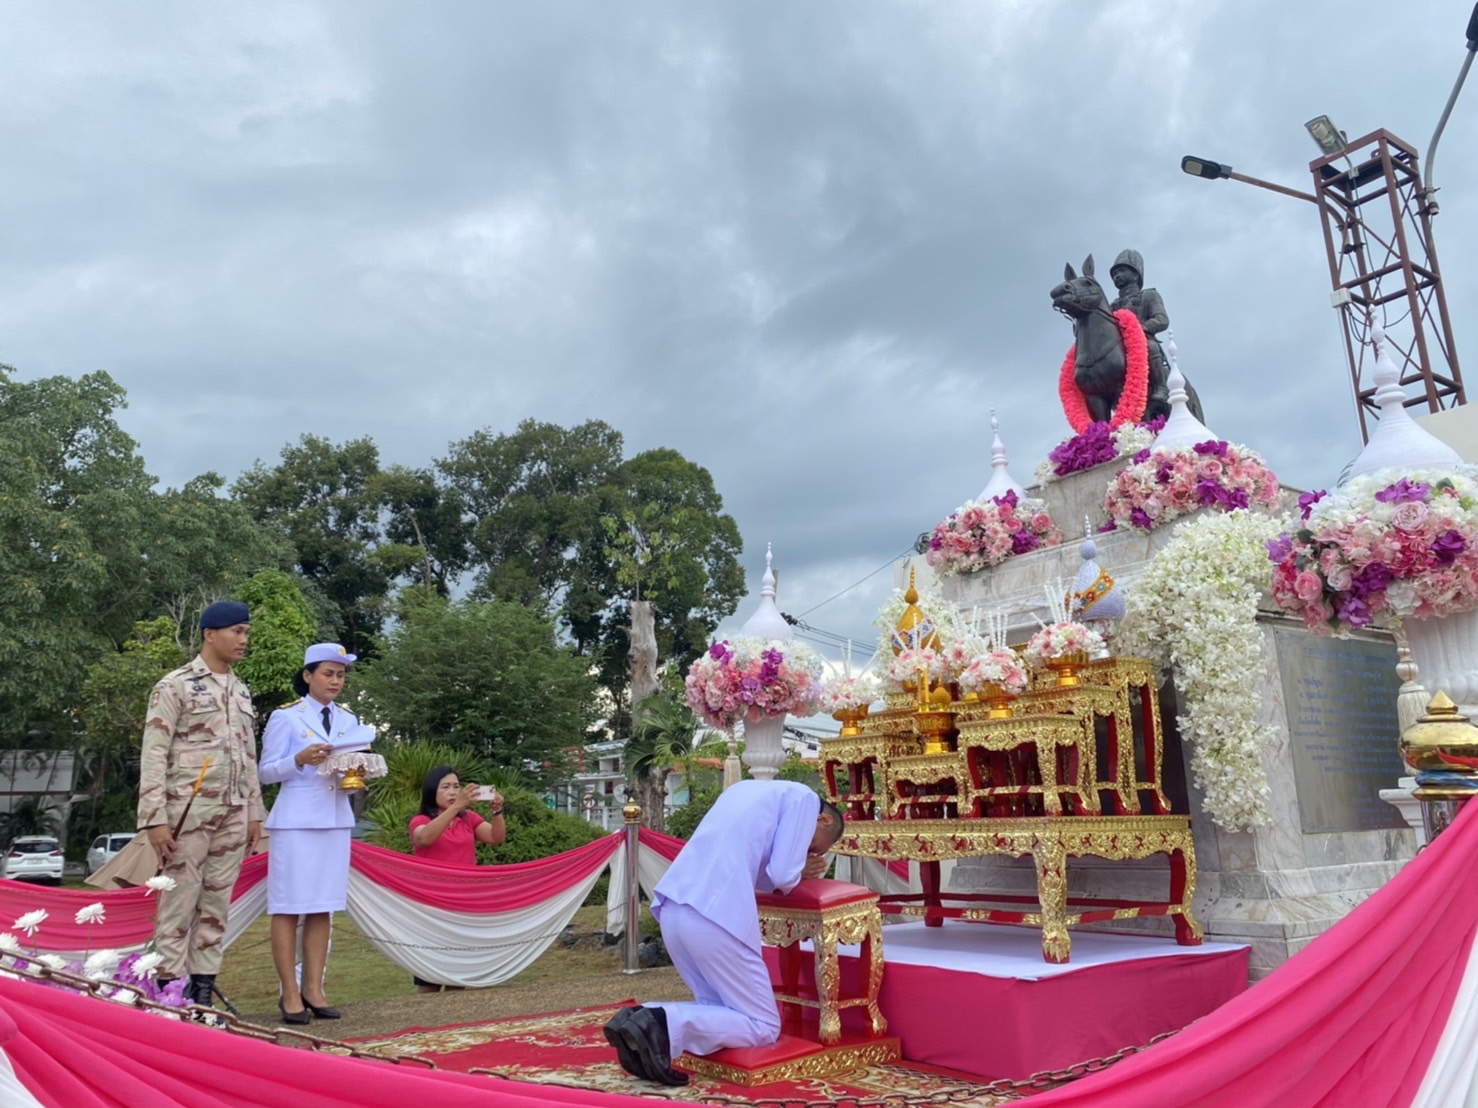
pixel 851 720
pixel 353 780
pixel 1443 739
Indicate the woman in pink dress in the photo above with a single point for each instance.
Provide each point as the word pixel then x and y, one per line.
pixel 446 829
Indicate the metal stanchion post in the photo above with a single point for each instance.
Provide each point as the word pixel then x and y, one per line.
pixel 632 814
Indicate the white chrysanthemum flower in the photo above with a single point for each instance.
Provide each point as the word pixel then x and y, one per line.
pixel 159 884
pixel 124 996
pixel 148 963
pixel 9 944
pixel 102 965
pixel 52 961
pixel 30 921
pixel 91 913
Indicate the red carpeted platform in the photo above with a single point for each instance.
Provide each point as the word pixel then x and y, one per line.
pixel 979 999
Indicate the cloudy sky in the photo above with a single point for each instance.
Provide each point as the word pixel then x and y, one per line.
pixel 809 245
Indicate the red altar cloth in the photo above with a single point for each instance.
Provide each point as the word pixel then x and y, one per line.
pixel 1007 1027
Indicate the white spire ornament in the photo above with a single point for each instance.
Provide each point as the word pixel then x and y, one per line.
pixel 767 622
pixel 1398 441
pixel 1181 428
pixel 1001 481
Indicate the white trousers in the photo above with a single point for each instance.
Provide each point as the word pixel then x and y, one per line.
pixel 735 1004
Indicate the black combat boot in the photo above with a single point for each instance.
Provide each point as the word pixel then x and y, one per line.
pixel 200 988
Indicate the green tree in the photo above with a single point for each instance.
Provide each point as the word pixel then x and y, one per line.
pixel 72 495
pixel 114 704
pixel 484 675
pixel 321 497
pixel 425 535
pixel 533 499
pixel 282 627
pixel 30 815
pixel 661 740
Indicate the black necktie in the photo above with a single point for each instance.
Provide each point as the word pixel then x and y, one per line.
pixel 328 726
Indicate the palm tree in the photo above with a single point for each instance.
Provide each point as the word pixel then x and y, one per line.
pixel 662 738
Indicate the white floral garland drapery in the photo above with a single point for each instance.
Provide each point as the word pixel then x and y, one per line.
pixel 1195 611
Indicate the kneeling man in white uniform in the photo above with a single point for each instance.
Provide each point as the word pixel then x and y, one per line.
pixel 758 836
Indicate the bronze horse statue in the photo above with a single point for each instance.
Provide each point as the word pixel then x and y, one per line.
pixel 1099 365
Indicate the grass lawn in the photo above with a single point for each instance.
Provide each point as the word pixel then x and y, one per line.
pixel 357 971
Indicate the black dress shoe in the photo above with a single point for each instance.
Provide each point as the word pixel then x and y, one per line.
pixel 625 1044
pixel 296 1018
pixel 653 1046
pixel 324 1013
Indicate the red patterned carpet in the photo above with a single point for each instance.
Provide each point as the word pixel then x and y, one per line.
pixel 567 1048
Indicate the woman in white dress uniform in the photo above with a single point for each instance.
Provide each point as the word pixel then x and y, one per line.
pixel 308 855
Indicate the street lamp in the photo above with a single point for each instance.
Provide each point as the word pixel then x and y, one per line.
pixel 1331 139
pixel 1209 170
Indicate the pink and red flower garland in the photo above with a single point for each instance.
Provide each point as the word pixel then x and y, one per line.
pixel 1136 394
pixel 1161 485
pixel 978 535
pixel 1406 548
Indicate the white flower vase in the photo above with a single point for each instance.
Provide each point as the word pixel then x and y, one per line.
pixel 1446 654
pixel 763 750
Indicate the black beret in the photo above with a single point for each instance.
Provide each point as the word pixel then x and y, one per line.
pixel 224 613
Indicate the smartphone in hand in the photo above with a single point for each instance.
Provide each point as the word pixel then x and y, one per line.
pixel 486 792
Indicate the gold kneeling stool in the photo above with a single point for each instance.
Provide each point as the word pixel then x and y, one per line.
pixel 828 913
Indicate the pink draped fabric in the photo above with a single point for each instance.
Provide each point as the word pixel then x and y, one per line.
pixel 1353 1019
pixel 74 1052
pixel 466 888
pixel 128 913
pixel 664 846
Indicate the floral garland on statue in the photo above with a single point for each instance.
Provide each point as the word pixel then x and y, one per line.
pixel 745 678
pixel 1136 392
pixel 1098 443
pixel 1195 609
pixel 979 535
pixel 1162 485
pixel 1383 545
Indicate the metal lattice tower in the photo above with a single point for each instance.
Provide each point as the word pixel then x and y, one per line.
pixel 1383 266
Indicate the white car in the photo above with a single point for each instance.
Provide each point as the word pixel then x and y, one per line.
pixel 103 848
pixel 35 858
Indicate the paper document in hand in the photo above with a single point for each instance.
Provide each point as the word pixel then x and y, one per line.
pixel 357 739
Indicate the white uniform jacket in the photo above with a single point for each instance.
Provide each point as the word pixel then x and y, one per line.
pixel 755 837
pixel 306 800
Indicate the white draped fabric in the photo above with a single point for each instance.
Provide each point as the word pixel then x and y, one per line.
pixel 1452 1079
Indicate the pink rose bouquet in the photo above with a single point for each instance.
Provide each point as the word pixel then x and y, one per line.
pixel 903 669
pixel 1063 639
pixel 1405 547
pixel 996 667
pixel 978 535
pixel 846 693
pixel 1162 485
pixel 750 678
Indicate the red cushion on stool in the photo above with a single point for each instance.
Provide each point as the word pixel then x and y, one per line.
pixel 816 894
pixel 787 1048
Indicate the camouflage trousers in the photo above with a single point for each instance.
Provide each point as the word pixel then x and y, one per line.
pixel 192 915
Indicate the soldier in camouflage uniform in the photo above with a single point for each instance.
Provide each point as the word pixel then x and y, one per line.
pixel 201 711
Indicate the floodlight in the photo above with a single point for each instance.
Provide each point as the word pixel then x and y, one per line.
pixel 1204 167
pixel 1330 138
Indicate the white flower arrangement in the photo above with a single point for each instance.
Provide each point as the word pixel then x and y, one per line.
pixel 1063 639
pixel 1195 609
pixel 30 922
pixel 998 667
pixel 903 669
pixel 845 693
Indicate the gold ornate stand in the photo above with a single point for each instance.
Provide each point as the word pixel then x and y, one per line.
pixel 785 925
pixel 1074 771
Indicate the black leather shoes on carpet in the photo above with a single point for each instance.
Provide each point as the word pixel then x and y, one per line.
pixel 625 1044
pixel 648 1026
pixel 297 1019
pixel 324 1013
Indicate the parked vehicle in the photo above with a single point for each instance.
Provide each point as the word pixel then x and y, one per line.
pixel 101 852
pixel 35 858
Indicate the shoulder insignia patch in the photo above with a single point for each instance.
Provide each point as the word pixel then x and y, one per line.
pixel 293 703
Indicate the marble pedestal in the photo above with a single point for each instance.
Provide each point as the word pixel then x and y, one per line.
pixel 1276 887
